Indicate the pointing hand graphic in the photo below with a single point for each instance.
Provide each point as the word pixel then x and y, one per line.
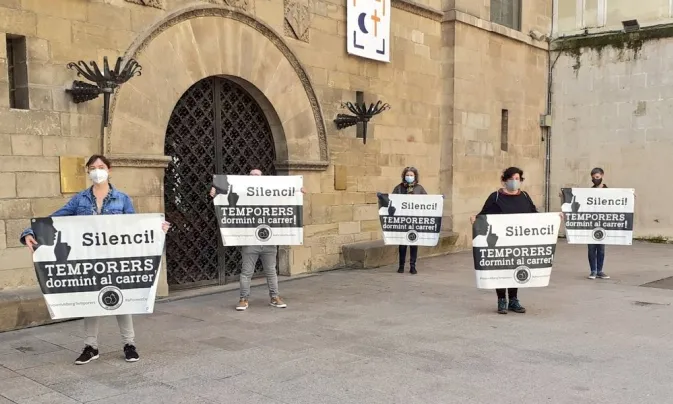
pixel 61 250
pixel 391 208
pixel 491 238
pixel 574 206
pixel 383 199
pixel 232 197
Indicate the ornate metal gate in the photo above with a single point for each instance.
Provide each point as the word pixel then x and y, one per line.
pixel 216 127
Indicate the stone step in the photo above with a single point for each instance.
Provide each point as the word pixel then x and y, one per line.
pixel 374 254
pixel 23 308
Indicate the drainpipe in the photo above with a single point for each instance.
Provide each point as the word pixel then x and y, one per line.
pixel 547 168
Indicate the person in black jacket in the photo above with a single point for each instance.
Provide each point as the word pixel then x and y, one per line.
pixel 409 185
pixel 507 200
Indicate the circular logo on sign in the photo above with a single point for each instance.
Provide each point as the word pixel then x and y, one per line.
pixel 412 236
pixel 522 274
pixel 598 234
pixel 263 233
pixel 110 298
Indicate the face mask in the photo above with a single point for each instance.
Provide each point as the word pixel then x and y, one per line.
pixel 512 185
pixel 409 179
pixel 597 181
pixel 98 175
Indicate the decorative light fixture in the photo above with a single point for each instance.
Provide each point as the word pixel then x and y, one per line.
pixel 106 82
pixel 361 114
pixel 631 25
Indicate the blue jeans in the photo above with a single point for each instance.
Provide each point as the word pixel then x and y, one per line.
pixel 596 257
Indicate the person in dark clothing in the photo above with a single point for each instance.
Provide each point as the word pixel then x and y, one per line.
pixel 409 185
pixel 507 200
pixel 597 251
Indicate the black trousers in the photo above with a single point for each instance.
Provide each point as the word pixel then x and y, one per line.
pixel 412 258
pixel 512 293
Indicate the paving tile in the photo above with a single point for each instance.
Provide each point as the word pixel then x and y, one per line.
pixel 6 373
pixel 86 390
pixel 49 398
pixel 21 387
pixel 52 374
pixel 227 344
pixel 19 360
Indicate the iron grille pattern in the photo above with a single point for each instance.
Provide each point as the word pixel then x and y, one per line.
pixel 216 127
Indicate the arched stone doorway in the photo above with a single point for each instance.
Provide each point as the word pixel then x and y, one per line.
pixel 216 127
pixel 194 43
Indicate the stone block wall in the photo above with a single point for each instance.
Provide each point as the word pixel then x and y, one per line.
pixel 493 68
pixel 612 109
pixel 62 31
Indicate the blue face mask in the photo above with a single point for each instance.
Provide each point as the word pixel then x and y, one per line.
pixel 409 179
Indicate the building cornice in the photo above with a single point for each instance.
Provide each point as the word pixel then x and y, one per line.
pixel 465 18
pixel 418 9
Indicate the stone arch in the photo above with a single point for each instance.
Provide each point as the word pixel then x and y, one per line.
pixel 208 40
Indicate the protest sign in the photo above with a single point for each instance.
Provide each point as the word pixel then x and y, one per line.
pixel 598 215
pixel 514 251
pixel 411 219
pixel 259 210
pixel 98 265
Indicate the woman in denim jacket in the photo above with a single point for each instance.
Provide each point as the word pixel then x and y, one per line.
pixel 101 199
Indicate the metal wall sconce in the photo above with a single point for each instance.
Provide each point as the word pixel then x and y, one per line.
pixel 361 114
pixel 106 82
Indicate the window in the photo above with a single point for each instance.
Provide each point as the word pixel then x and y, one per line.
pixel 504 129
pixel 17 72
pixel 507 13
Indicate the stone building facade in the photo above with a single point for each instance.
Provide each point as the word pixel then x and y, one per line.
pixel 453 74
pixel 612 100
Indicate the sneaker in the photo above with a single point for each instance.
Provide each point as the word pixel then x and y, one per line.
pixel 88 354
pixel 515 306
pixel 502 306
pixel 242 304
pixel 413 271
pixel 130 353
pixel 592 275
pixel 603 275
pixel 278 302
pixel 400 270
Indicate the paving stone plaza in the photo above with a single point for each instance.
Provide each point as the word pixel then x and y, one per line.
pixel 377 337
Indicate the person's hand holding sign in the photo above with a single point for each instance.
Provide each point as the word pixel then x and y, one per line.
pixel 31 243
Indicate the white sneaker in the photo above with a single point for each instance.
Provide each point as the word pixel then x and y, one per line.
pixel 242 304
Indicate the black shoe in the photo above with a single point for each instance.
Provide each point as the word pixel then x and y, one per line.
pixel 502 306
pixel 413 270
pixel 88 354
pixel 130 353
pixel 400 270
pixel 515 306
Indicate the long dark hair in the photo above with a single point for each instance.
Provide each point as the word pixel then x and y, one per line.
pixel 413 170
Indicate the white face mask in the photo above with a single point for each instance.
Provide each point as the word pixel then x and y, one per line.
pixel 98 175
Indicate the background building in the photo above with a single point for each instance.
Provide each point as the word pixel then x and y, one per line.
pixel 228 85
pixel 612 102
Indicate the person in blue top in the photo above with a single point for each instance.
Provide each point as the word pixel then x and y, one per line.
pixel 101 199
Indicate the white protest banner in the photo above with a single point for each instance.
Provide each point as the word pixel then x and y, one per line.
pixel 100 265
pixel 514 251
pixel 368 29
pixel 411 219
pixel 599 215
pixel 259 210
